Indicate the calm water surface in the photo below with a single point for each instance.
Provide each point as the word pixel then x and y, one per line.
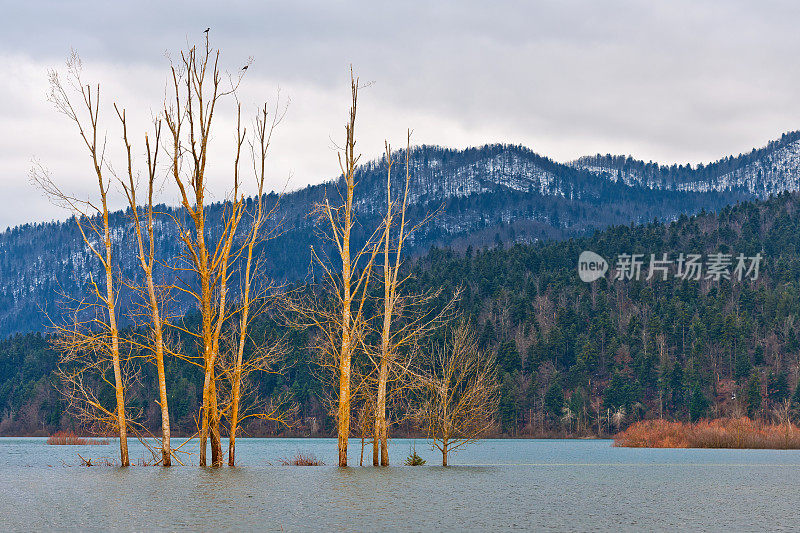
pixel 560 485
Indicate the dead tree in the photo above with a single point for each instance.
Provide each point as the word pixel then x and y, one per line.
pixel 197 90
pixel 238 395
pixel 406 318
pixel 335 308
pixel 258 233
pixel 461 393
pixel 101 336
pixel 154 341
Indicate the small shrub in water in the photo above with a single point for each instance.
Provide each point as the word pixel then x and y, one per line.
pixel 413 459
pixel 302 460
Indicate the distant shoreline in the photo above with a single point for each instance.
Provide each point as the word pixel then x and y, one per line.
pixel 369 442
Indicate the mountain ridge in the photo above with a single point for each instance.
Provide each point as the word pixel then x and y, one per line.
pixel 770 169
pixel 481 196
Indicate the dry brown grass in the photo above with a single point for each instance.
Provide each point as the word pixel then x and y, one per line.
pixel 302 460
pixel 720 433
pixel 71 439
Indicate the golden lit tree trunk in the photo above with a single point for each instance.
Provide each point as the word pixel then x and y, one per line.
pixel 263 136
pixel 345 353
pixel 118 385
pixel 388 304
pixel 383 372
pixel 237 372
pixel 381 437
pixel 166 451
pixel 390 285
pixel 208 363
pixel 338 317
pixel 157 324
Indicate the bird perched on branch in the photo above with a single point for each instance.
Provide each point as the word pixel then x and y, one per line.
pixel 206 30
pixel 245 67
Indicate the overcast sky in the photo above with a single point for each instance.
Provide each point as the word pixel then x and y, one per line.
pixel 672 81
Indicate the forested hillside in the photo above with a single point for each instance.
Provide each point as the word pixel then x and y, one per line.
pixel 480 196
pixel 574 357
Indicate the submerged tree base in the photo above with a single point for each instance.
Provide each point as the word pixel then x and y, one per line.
pixel 720 433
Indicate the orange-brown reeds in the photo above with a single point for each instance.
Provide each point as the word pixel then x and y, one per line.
pixel 720 433
pixel 71 439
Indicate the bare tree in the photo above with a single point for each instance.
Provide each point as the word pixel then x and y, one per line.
pixel 100 335
pixel 390 284
pixel 238 394
pixel 461 393
pixel 336 311
pixel 154 342
pixel 197 86
pixel 406 318
pixel 259 147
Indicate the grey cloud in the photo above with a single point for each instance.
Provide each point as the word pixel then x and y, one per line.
pixel 678 81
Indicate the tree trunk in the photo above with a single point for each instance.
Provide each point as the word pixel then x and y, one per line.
pixel 112 322
pixel 383 373
pixel 216 438
pixel 344 378
pixel 384 445
pixel 344 406
pixel 205 311
pixel 166 450
pixel 237 373
pixel 380 417
pixel 344 359
pixel 204 417
pixel 234 416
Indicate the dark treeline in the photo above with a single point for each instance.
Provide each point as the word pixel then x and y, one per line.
pixel 575 358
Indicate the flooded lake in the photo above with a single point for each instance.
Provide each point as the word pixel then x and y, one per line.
pixel 559 485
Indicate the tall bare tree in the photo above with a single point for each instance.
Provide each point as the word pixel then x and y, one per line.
pixel 461 393
pixel 336 311
pixel 93 223
pixel 406 318
pixel 154 342
pixel 259 147
pixel 390 282
pixel 197 90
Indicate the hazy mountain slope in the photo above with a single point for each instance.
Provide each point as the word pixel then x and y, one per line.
pixel 481 196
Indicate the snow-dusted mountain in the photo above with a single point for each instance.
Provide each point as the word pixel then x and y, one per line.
pixel 769 170
pixel 481 196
